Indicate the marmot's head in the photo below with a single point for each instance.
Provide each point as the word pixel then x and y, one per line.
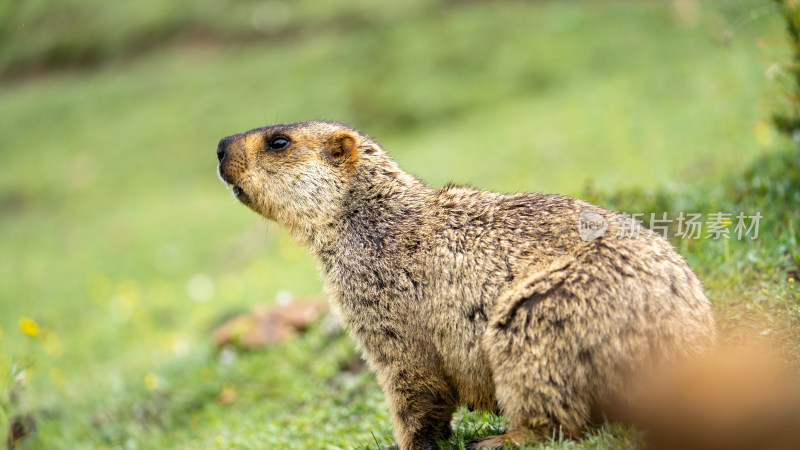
pixel 296 174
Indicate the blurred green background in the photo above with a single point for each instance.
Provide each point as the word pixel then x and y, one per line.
pixel 121 248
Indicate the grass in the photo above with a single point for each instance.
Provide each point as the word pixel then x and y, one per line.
pixel 79 33
pixel 124 248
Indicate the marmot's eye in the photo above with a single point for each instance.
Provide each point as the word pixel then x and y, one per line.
pixel 278 143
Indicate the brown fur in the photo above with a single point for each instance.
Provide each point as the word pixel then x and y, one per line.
pixel 462 296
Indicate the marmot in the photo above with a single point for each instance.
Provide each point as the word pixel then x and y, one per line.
pixel 543 308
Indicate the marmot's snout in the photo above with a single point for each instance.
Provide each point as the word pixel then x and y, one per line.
pixel 222 147
pixel 222 153
pixel 227 168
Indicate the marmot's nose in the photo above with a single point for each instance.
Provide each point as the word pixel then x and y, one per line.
pixel 222 147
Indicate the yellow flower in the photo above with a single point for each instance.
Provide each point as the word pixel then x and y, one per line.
pixel 151 381
pixel 29 327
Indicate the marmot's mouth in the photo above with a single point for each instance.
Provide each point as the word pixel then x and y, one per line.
pixel 239 194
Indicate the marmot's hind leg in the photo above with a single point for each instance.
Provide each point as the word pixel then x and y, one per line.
pixel 578 341
pixel 539 348
pixel 502 441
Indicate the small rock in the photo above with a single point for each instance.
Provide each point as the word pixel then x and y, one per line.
pixel 267 325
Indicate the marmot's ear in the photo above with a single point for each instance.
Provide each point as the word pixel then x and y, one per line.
pixel 342 146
